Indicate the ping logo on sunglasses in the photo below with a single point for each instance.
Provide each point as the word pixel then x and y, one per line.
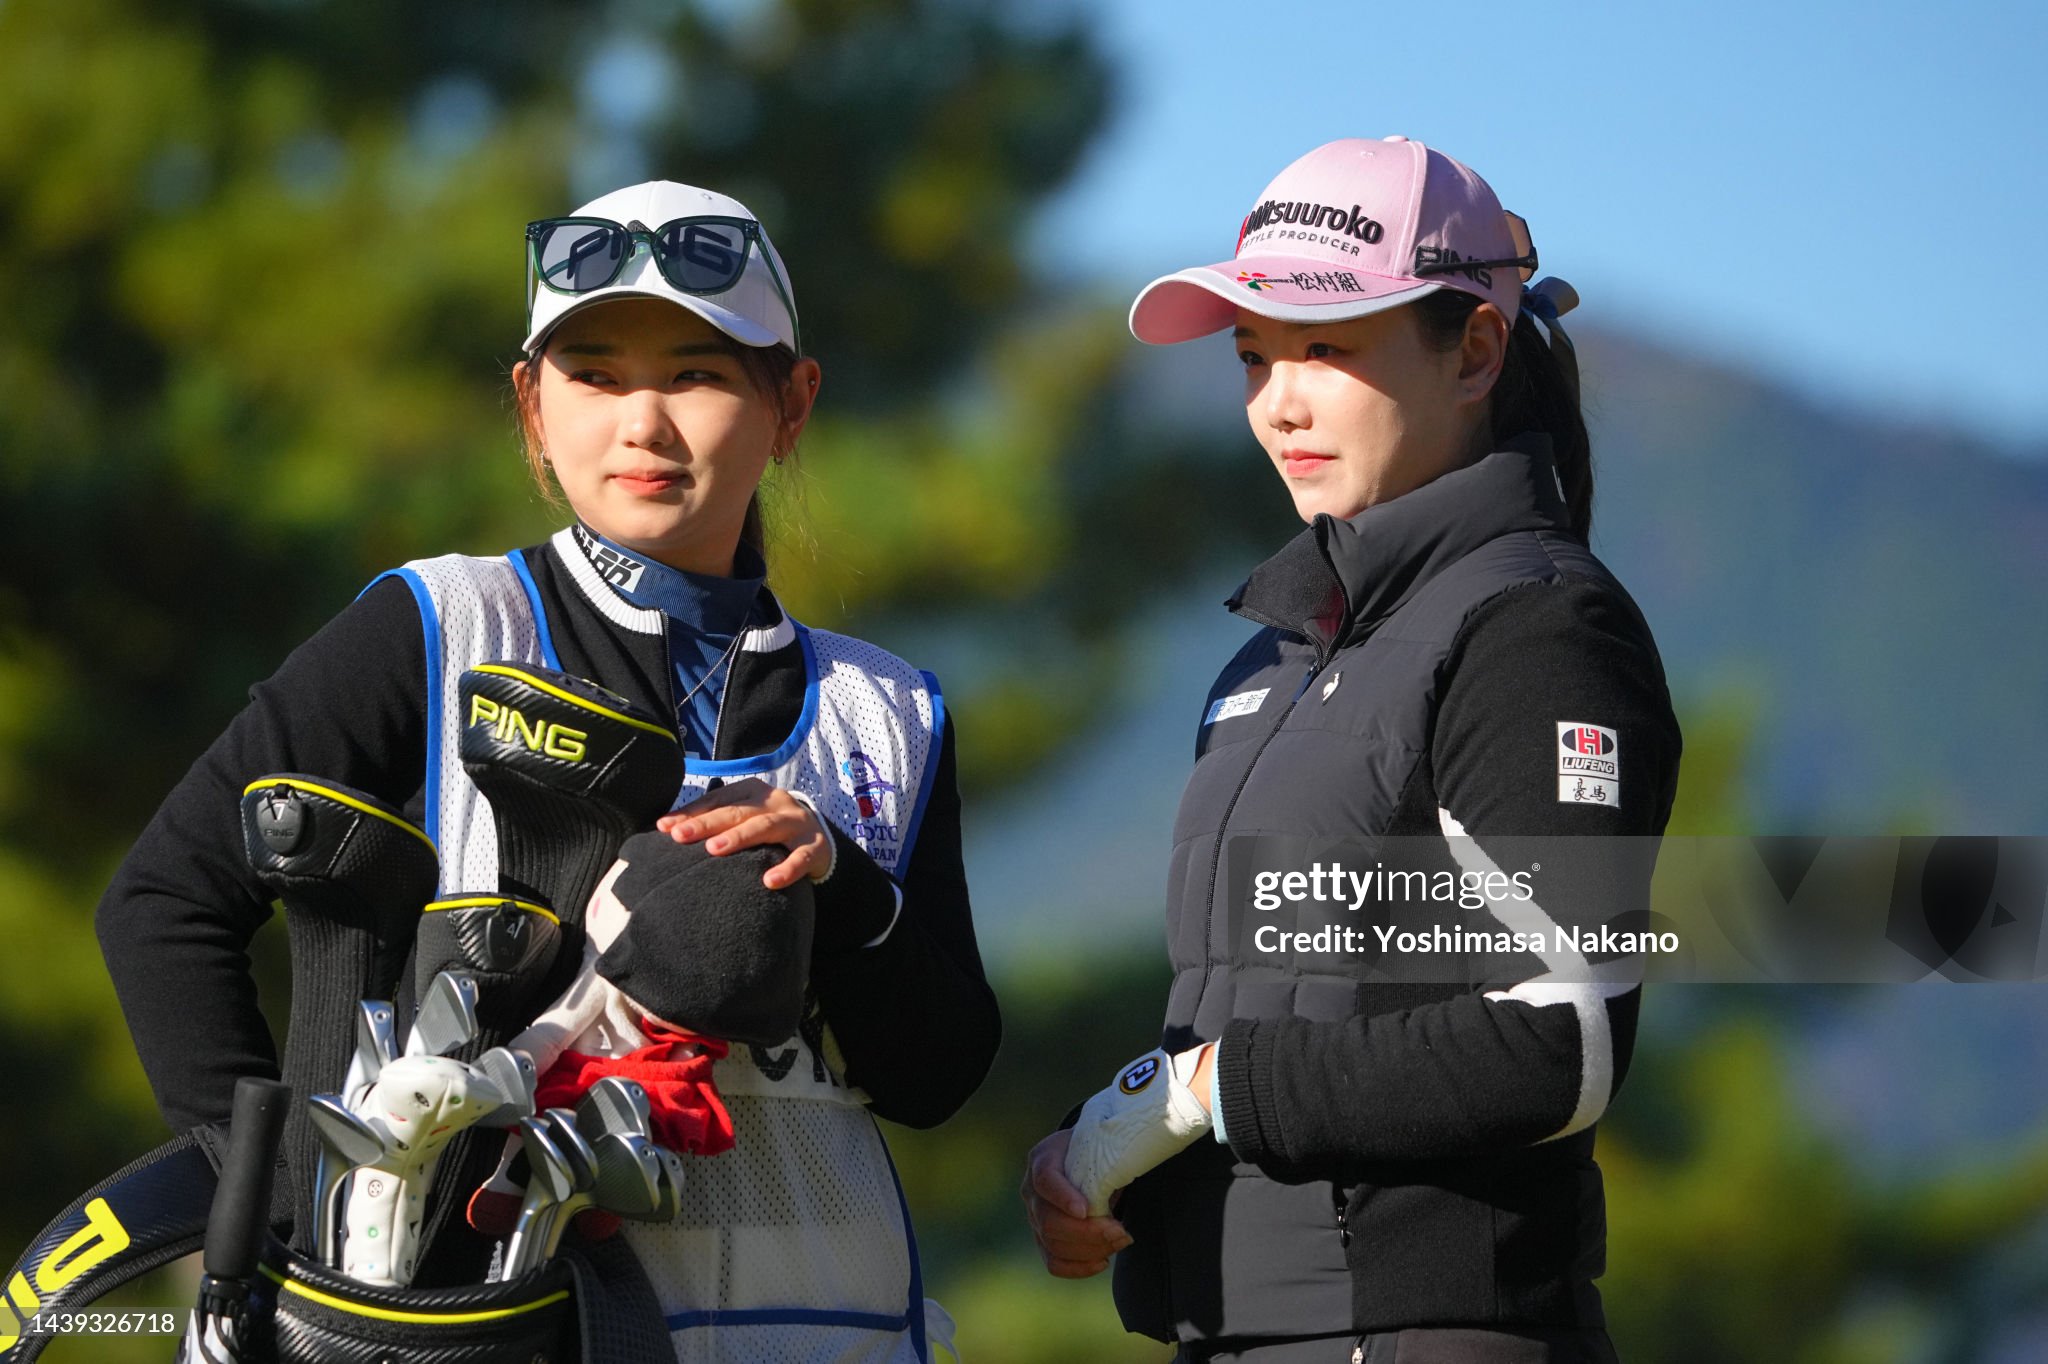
pixel 702 245
pixel 698 255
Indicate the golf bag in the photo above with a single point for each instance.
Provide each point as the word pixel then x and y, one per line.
pixel 570 770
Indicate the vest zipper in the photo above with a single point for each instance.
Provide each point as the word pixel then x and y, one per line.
pixel 1216 858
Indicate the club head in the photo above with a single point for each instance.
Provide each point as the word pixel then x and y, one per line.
pixel 548 1167
pixel 376 1048
pixel 547 1185
pixel 670 1204
pixel 351 1138
pixel 377 1030
pixel 629 1175
pixel 613 1104
pixel 629 1183
pixel 346 1143
pixel 513 1074
pixel 582 1158
pixel 447 1016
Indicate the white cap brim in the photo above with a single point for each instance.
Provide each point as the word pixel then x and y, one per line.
pixel 741 329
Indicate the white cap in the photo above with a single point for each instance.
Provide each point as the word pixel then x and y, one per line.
pixel 751 312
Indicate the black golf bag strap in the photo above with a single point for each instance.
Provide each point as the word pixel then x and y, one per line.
pixel 619 1314
pixel 146 1214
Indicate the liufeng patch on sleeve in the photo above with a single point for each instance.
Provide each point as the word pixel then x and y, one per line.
pixel 1588 763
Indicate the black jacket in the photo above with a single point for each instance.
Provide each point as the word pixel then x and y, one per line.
pixel 1405 1152
pixel 914 1014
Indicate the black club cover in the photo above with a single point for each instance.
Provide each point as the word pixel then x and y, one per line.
pixel 707 947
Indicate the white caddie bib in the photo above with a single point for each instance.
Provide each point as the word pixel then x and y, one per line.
pixel 796 1244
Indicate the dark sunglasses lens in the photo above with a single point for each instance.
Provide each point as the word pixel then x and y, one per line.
pixel 577 257
pixel 703 258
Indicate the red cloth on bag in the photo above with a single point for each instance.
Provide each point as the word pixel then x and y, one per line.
pixel 684 1113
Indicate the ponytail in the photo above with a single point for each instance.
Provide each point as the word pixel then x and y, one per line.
pixel 1533 394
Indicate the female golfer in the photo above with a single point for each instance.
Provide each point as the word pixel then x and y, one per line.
pixel 662 377
pixel 1380 1149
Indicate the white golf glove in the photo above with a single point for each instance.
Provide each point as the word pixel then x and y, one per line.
pixel 1147 1114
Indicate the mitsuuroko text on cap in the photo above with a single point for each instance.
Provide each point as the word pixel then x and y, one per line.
pixel 1354 227
pixel 698 249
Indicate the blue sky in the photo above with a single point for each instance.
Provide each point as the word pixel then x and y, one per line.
pixel 1848 197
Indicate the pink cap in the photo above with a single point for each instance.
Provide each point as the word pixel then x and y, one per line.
pixel 1342 233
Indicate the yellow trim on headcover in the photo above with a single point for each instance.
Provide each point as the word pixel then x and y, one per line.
pixel 530 680
pixel 474 901
pixel 347 800
pixel 411 1318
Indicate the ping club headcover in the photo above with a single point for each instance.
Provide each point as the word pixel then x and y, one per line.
pixel 706 947
pixel 508 945
pixel 352 874
pixel 570 770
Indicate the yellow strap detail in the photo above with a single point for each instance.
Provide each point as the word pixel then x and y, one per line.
pixel 411 1318
pixel 349 801
pixel 530 680
pixel 475 901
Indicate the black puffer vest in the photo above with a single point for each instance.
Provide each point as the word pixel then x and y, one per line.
pixel 1220 1249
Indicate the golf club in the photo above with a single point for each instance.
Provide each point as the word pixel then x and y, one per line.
pixel 613 1104
pixel 446 1018
pixel 346 1142
pixel 629 1178
pixel 547 1184
pixel 513 1074
pixel 670 1205
pixel 376 1047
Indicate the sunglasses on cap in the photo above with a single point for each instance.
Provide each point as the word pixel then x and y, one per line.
pixel 1518 233
pixel 705 254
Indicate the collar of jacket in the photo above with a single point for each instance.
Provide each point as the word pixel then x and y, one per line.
pixel 769 628
pixel 1338 579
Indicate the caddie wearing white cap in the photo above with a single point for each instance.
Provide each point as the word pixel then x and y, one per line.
pixel 662 378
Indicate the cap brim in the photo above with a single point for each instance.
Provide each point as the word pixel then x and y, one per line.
pixel 741 329
pixel 1205 298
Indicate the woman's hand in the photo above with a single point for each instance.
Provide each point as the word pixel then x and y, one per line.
pixel 1144 1117
pixel 747 814
pixel 1072 1244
